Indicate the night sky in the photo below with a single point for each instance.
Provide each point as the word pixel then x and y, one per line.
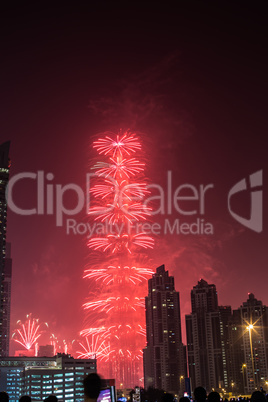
pixel 191 80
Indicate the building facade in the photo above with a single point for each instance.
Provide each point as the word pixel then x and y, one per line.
pixel 225 317
pixel 237 373
pixel 205 338
pixel 5 269
pixel 6 301
pixel 38 377
pixel 253 317
pixel 45 351
pixel 164 355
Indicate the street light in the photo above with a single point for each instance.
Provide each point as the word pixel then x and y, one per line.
pixel 244 366
pixel 181 378
pixel 250 328
pixel 232 384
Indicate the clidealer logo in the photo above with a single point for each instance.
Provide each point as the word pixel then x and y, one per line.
pixel 185 201
pixel 255 222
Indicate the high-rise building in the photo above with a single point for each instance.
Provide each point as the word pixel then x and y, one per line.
pixel 5 269
pixel 204 338
pixel 252 324
pixel 225 317
pixel 164 355
pixel 237 366
pixel 6 301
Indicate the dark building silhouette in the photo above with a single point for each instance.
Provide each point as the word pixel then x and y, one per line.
pixel 164 355
pixel 46 351
pixel 204 338
pixel 249 335
pixel 5 262
pixel 225 317
pixel 237 366
pixel 6 300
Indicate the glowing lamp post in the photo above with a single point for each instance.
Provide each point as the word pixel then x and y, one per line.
pixel 250 328
pixel 181 378
pixel 244 366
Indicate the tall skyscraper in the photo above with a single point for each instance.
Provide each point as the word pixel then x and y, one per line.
pixel 237 366
pixel 164 355
pixel 253 327
pixel 6 300
pixel 225 317
pixel 204 338
pixel 5 270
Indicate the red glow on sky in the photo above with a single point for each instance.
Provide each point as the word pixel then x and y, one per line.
pixel 196 88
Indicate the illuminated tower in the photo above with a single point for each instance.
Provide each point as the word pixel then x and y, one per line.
pixel 4 269
pixel 203 328
pixel 117 271
pixel 164 355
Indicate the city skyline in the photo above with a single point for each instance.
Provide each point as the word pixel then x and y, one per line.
pixel 195 99
pixel 227 350
pixel 229 316
pixel 223 345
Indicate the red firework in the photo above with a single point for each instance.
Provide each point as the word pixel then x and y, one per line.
pixel 27 333
pixel 115 212
pixel 117 304
pixel 126 144
pixel 121 242
pixel 96 349
pixel 119 168
pixel 113 274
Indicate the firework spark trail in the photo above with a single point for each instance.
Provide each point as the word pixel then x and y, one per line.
pixel 93 331
pixel 96 349
pixel 127 144
pixel 115 189
pixel 119 168
pixel 116 273
pixel 54 343
pixel 117 303
pixel 118 242
pixel 28 334
pixel 120 303
pixel 113 212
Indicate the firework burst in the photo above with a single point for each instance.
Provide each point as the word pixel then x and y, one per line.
pixel 124 144
pixel 120 242
pixel 119 168
pixel 94 348
pixel 27 333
